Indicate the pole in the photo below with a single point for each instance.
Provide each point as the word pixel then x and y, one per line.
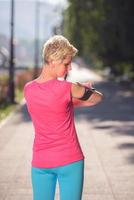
pixel 36 56
pixel 11 88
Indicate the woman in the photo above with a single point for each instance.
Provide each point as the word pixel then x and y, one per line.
pixel 57 154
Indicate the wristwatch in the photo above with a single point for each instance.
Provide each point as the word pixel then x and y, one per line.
pixel 88 92
pixel 92 88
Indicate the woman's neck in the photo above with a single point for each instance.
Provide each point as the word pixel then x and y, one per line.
pixel 46 74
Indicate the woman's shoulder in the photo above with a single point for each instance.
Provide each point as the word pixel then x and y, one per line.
pixel 64 84
pixel 28 84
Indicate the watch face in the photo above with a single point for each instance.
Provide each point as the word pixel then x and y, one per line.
pixel 93 89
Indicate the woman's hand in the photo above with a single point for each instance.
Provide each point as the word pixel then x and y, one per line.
pixel 88 84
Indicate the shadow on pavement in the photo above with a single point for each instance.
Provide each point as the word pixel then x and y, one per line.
pixel 24 117
pixel 117 104
pixel 114 115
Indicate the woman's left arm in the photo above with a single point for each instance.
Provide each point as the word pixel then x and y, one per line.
pixel 94 99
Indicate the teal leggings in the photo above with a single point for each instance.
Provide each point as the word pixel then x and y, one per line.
pixel 70 178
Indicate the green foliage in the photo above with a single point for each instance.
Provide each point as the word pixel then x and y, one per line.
pixel 3 87
pixel 104 28
pixel 20 79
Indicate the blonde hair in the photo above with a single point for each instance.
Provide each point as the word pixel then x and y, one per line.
pixel 57 48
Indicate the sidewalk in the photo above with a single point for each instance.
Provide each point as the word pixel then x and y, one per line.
pixel 106 136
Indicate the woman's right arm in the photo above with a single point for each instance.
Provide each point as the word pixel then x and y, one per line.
pixel 85 97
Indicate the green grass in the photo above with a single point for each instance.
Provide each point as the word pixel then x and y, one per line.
pixel 19 95
pixel 6 108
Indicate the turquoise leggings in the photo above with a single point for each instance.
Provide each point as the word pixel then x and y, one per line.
pixel 70 178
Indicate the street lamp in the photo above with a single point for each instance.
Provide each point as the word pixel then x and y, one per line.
pixel 37 31
pixel 36 56
pixel 11 88
pixel 37 37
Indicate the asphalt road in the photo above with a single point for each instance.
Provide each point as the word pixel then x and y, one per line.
pixel 106 135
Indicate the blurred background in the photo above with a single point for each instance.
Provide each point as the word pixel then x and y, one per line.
pixel 103 31
pixel 25 26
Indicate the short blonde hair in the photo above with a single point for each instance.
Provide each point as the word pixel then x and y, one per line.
pixel 57 48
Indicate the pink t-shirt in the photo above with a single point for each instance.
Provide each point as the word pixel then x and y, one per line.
pixel 52 113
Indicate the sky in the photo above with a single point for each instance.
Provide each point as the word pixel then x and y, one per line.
pixel 24 23
pixel 55 1
pixel 25 16
pixel 50 1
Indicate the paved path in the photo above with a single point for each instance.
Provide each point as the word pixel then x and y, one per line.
pixel 106 134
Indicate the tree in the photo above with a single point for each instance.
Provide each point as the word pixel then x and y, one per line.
pixel 102 27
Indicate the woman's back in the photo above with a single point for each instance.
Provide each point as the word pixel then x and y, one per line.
pixel 51 109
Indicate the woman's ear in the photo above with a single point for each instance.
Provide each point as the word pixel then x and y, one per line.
pixel 51 63
pixel 55 63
